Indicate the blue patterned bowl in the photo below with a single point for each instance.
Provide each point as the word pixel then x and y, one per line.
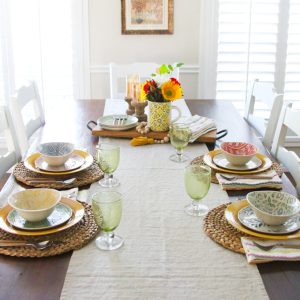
pixel 273 208
pixel 56 153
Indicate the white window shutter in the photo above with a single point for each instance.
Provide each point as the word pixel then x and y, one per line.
pixel 247 46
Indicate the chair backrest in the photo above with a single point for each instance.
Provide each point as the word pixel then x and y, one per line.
pixel 289 120
pixel 27 113
pixel 118 74
pixel 9 148
pixel 264 92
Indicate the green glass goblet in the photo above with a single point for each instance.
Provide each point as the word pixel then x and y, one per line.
pixel 107 209
pixel 197 180
pixel 180 135
pixel 108 158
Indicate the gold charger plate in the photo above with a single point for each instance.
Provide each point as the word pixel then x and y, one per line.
pixel 29 163
pixel 266 163
pixel 231 215
pixel 77 215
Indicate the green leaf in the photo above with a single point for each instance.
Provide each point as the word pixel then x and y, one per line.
pixel 163 69
pixel 170 67
pixel 153 75
pixel 179 65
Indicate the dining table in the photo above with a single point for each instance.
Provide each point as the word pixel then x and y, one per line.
pixel 44 278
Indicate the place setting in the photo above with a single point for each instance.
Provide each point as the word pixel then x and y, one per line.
pixel 58 165
pixel 44 222
pixel 264 226
pixel 239 166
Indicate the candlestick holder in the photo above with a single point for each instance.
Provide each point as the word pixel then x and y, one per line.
pixel 140 110
pixel 130 111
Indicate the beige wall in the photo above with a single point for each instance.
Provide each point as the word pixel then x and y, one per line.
pixel 107 44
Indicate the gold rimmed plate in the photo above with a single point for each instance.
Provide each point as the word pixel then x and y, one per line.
pixel 73 163
pixel 77 215
pixel 221 161
pixel 266 163
pixel 231 215
pixel 30 163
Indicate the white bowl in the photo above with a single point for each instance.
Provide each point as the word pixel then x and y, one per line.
pixel 238 153
pixel 273 208
pixel 56 153
pixel 35 204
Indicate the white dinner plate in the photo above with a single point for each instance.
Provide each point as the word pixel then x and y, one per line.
pixel 248 218
pixel 109 122
pixel 73 163
pixel 222 162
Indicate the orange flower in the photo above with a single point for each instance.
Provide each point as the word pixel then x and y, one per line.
pixel 171 90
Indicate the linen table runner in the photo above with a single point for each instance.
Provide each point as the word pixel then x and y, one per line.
pixel 166 254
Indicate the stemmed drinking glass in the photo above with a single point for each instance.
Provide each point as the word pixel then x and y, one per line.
pixel 180 135
pixel 197 183
pixel 107 209
pixel 108 157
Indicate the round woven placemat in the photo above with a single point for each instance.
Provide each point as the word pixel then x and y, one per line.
pixel 199 160
pixel 85 177
pixel 219 230
pixel 70 239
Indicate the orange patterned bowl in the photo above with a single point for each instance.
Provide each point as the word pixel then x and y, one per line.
pixel 238 153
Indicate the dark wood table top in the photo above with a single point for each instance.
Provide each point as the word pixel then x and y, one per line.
pixel 43 278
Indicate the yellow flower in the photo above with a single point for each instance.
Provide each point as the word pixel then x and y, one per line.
pixel 143 95
pixel 171 90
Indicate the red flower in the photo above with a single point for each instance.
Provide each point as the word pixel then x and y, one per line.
pixel 174 80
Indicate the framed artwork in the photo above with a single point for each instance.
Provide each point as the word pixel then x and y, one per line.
pixel 147 16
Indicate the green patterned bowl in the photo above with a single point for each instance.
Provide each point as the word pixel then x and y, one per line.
pixel 273 208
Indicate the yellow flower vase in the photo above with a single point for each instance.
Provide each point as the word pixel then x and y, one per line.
pixel 160 115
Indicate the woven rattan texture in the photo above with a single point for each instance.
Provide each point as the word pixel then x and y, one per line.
pixel 70 239
pixel 199 160
pixel 220 231
pixel 85 177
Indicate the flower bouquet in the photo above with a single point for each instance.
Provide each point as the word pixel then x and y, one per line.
pixel 162 87
pixel 161 90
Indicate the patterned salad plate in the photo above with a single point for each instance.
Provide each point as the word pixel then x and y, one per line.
pixel 61 214
pixel 30 163
pixel 77 215
pixel 117 122
pixel 248 218
pixel 73 163
pixel 231 215
pixel 209 160
pixel 222 162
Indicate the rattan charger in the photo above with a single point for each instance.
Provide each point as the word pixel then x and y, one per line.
pixel 70 239
pixel 84 177
pixel 219 230
pixel 199 160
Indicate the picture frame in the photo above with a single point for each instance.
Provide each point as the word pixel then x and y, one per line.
pixel 147 16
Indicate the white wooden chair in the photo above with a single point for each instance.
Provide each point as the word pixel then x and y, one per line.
pixel 27 113
pixel 289 120
pixel 118 73
pixel 9 149
pixel 264 92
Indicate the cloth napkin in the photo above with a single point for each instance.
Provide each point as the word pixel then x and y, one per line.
pixel 255 255
pixel 198 126
pixel 249 184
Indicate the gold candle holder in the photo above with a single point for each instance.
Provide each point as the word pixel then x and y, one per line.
pixel 131 109
pixel 140 110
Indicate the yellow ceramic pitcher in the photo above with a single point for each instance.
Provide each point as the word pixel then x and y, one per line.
pixel 160 115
